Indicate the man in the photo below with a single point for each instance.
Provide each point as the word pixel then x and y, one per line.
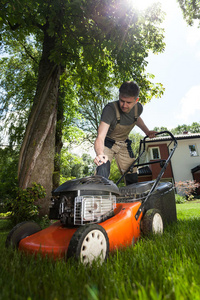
pixel 117 120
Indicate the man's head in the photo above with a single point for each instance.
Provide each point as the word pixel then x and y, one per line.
pixel 129 89
pixel 128 95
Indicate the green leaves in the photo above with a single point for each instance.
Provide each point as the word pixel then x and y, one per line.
pixel 190 9
pixel 96 45
pixel 24 207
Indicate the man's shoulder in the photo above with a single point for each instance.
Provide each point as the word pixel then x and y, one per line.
pixel 140 108
pixel 111 104
pixel 110 108
pixel 108 114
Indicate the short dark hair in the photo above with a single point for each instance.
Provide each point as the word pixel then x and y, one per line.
pixel 129 89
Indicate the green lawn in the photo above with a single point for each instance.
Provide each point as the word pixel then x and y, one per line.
pixel 158 267
pixel 190 209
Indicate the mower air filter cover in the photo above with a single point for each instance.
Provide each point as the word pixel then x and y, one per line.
pixel 90 183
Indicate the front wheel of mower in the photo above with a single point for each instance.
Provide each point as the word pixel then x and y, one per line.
pixel 89 242
pixel 20 231
pixel 152 222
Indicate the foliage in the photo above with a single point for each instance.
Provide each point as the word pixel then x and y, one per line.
pixel 8 172
pixel 159 129
pixel 24 207
pixel 195 127
pixel 18 78
pixel 180 129
pixel 87 46
pixel 136 138
pixel 97 45
pixel 187 188
pixel 5 214
pixel 44 221
pixel 74 166
pixel 190 9
pixel 115 173
pixel 180 199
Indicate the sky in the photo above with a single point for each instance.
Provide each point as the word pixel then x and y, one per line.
pixel 178 69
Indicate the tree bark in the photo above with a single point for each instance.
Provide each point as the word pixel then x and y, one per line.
pixel 36 162
pixel 58 140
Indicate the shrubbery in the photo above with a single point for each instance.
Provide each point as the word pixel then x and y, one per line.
pixel 180 199
pixel 187 188
pixel 24 206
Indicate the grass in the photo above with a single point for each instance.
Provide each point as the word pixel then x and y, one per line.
pixel 157 267
pixel 189 209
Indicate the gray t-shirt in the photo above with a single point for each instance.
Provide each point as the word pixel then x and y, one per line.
pixel 109 115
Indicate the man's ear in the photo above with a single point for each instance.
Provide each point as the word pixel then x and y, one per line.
pixel 137 99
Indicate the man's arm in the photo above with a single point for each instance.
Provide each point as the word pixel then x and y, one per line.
pixel 143 127
pixel 99 144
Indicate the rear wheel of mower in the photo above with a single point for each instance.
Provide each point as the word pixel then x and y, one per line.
pixel 89 243
pixel 20 231
pixel 152 222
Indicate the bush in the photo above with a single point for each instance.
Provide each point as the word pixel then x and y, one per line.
pixel 180 199
pixel 187 188
pixel 8 173
pixel 23 207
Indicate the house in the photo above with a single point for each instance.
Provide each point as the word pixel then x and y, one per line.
pixel 185 162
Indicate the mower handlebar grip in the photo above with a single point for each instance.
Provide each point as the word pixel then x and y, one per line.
pixel 162 132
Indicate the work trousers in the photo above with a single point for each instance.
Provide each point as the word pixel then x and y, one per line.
pixel 124 158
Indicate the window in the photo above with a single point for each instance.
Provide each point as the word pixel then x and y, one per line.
pixel 193 150
pixel 155 153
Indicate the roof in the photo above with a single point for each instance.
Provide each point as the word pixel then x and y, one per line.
pixel 177 137
pixel 196 169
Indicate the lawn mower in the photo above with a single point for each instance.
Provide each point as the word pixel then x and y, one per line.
pixel 93 216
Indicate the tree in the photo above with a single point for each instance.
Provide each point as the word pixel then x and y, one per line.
pixel 18 79
pixel 190 9
pixel 159 129
pixel 74 166
pixel 82 40
pixel 180 129
pixel 8 172
pixel 195 127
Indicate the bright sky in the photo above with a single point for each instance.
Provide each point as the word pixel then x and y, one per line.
pixel 178 69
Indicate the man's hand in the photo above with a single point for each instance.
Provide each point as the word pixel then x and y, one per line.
pixel 100 159
pixel 151 134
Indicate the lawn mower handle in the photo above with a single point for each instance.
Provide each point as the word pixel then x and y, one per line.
pixel 142 143
pixel 141 208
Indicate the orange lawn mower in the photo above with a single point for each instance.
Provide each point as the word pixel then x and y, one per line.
pixel 95 217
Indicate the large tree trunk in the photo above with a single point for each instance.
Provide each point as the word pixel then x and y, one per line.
pixel 36 163
pixel 58 140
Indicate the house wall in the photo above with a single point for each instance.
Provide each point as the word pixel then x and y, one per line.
pixel 183 162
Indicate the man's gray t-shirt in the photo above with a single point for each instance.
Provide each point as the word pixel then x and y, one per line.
pixel 109 115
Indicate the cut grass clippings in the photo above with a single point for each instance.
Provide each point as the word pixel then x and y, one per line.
pixel 157 267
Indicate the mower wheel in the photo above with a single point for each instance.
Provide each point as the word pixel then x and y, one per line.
pixel 152 222
pixel 20 231
pixel 89 243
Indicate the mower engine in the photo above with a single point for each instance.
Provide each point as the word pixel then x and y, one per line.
pixel 82 201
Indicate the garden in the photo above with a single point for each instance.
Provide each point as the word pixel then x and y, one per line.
pixel 157 267
pixel 61 63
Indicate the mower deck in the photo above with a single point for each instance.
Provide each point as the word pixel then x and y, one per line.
pixel 122 230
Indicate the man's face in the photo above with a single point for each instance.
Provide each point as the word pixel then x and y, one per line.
pixel 127 103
